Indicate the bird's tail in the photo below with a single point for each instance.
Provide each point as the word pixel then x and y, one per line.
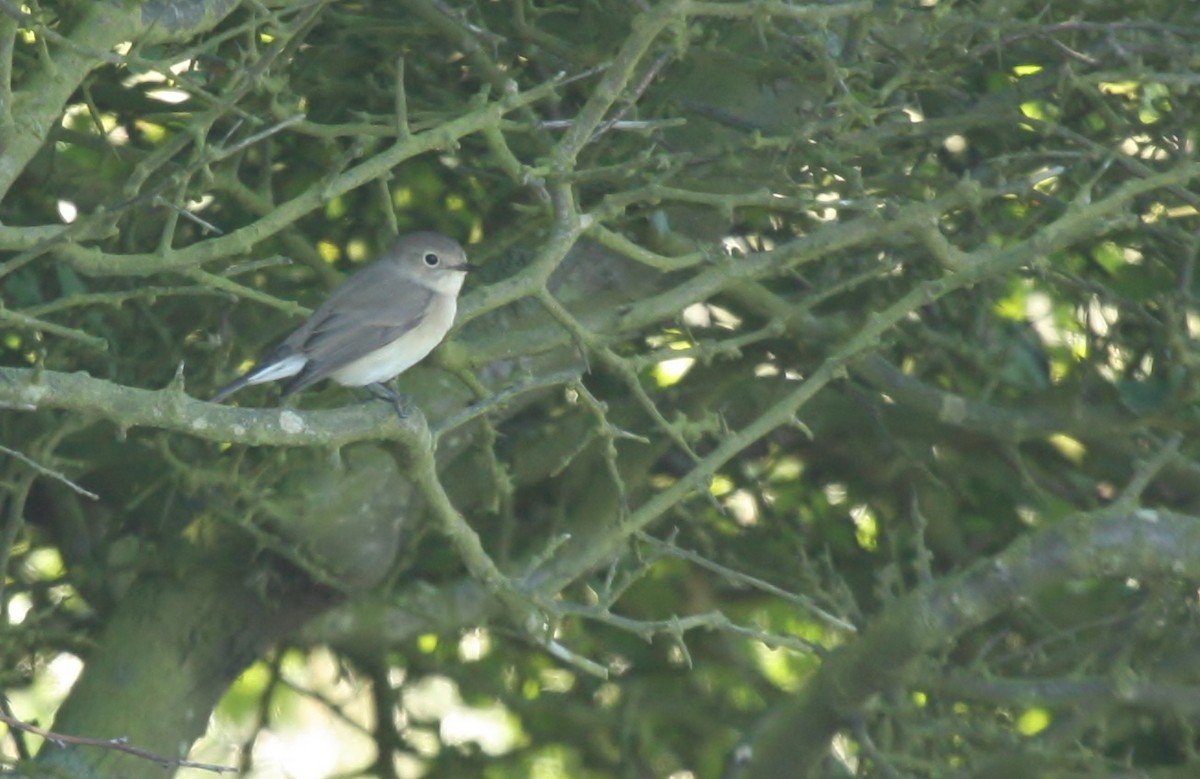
pixel 273 368
pixel 231 388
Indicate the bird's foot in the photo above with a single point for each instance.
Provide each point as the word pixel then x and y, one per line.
pixel 401 403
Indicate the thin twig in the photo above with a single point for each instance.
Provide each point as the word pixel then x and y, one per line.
pixel 635 94
pixel 250 140
pixel 594 344
pixel 752 581
pixel 1147 470
pixel 677 626
pixel 630 125
pixel 403 130
pixel 18 736
pixel 578 661
pixel 44 471
pixel 118 744
pixel 502 397
pixel 24 321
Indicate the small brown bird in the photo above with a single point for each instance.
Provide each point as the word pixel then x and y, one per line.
pixel 380 322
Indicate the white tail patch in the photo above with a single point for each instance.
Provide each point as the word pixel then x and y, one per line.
pixel 288 366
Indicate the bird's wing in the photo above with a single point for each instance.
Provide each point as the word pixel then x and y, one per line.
pixel 367 313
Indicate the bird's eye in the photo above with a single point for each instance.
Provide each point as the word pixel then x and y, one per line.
pixel 432 260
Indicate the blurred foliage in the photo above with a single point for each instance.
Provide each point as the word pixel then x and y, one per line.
pixel 743 131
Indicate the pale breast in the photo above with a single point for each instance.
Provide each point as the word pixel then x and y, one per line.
pixel 403 353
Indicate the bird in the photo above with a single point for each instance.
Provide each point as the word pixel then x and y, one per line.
pixel 381 321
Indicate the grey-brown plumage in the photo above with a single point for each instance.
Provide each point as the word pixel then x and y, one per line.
pixel 380 322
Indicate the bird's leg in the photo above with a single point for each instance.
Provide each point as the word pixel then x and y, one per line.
pixel 398 401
